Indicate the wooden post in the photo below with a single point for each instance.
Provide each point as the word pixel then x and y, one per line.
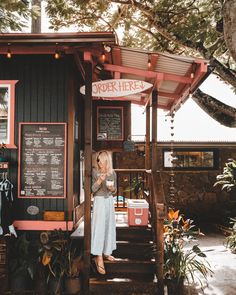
pixel 160 215
pixel 88 169
pixel 147 143
pixel 154 131
pixel 147 155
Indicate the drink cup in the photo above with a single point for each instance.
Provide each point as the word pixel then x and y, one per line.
pixel 109 183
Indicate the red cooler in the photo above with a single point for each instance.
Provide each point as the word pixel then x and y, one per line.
pixel 137 212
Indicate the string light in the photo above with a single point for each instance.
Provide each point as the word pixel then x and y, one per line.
pixel 57 53
pixel 103 56
pixel 9 55
pixel 149 62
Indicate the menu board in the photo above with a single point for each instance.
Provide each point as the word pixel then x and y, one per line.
pixel 110 123
pixel 42 160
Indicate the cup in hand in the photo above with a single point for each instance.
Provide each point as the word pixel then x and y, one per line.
pixel 109 183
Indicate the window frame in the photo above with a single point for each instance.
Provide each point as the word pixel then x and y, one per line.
pixel 201 168
pixel 11 112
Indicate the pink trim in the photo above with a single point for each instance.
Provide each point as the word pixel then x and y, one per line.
pixel 19 159
pixel 11 114
pixel 122 113
pixel 88 56
pixel 42 225
pixel 20 49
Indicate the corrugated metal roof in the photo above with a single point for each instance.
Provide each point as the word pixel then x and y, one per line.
pixel 171 74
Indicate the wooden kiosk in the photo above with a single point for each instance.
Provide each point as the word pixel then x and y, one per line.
pixel 54 120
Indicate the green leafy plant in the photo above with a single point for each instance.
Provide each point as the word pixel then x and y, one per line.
pixel 179 263
pixel 227 180
pixel 60 255
pixel 230 241
pixel 23 256
pixel 51 251
pixel 137 186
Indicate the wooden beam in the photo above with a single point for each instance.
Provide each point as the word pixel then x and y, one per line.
pixel 79 65
pixel 159 76
pixel 35 49
pixel 199 74
pixel 88 169
pixel 70 147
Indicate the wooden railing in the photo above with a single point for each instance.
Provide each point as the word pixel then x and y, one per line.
pixel 152 183
pixel 131 184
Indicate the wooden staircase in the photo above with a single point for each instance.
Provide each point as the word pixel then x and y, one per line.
pixel 133 272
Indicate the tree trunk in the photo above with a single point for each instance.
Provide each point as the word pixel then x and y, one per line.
pixel 36 22
pixel 229 16
pixel 224 114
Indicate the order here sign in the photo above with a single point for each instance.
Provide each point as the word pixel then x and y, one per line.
pixel 117 87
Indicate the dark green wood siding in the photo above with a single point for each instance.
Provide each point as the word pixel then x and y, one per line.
pixel 41 96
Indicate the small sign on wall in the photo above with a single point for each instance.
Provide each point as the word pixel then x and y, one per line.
pixel 110 123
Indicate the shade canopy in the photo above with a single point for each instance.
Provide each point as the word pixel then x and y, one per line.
pixel 173 76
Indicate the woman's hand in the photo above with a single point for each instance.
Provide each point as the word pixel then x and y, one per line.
pixel 111 188
pixel 101 178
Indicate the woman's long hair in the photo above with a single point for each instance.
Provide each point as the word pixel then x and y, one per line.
pixel 105 156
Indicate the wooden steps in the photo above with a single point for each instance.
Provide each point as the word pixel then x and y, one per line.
pixel 122 286
pixel 133 272
pixel 134 250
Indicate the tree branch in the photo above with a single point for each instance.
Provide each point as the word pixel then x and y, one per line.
pixel 222 113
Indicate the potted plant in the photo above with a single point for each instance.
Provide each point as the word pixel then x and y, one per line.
pixel 51 257
pixel 73 265
pixel 63 261
pixel 181 264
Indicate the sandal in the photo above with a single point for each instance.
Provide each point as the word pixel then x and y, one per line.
pixel 100 269
pixel 109 258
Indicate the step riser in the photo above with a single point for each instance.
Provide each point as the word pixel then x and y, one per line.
pixel 129 268
pixel 131 234
pixel 123 288
pixel 139 252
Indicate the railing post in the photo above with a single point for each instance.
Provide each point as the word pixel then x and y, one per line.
pixel 160 215
pixel 88 169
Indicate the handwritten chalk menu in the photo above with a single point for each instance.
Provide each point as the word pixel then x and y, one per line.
pixel 110 123
pixel 42 160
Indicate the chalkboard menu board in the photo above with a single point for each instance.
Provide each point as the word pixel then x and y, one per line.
pixel 42 160
pixel 110 123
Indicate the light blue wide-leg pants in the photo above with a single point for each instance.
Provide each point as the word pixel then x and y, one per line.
pixel 103 231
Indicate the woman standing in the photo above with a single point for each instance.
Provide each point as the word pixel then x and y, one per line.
pixel 103 234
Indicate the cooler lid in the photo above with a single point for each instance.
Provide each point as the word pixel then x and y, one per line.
pixel 137 203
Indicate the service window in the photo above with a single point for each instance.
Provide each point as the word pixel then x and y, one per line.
pixel 7 112
pixel 191 159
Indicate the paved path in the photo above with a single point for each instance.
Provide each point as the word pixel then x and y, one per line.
pixel 223 263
